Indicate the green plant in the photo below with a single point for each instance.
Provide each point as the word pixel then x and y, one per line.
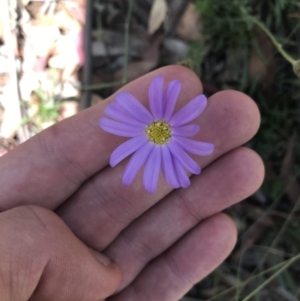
pixel 226 22
pixel 233 33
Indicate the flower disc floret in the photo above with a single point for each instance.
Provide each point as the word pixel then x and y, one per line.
pixel 159 132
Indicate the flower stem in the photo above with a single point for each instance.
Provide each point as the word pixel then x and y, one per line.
pixel 274 41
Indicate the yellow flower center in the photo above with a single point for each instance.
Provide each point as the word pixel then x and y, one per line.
pixel 159 132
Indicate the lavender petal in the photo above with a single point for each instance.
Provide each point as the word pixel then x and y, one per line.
pixel 168 168
pixel 170 98
pixel 183 178
pixel 156 97
pixel 136 162
pixel 115 112
pixel 131 105
pixel 126 149
pixel 190 111
pixel 185 131
pixel 195 147
pixel 120 129
pixel 152 169
pixel 183 158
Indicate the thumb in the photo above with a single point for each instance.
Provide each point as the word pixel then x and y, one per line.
pixel 41 259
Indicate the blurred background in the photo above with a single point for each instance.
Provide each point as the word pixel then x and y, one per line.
pixel 60 56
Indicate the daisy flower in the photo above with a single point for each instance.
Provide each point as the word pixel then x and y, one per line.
pixel 159 138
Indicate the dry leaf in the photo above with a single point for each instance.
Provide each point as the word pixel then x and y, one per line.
pixel 1 29
pixel 25 2
pixel 40 37
pixel 47 124
pixel 64 20
pixel 68 109
pixel 157 15
pixel 9 93
pixel 190 25
pixel 258 68
pixel 292 187
pixel 6 144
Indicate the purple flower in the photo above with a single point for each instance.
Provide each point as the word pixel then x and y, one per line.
pixel 159 139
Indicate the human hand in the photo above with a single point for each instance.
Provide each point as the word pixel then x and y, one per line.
pixel 163 242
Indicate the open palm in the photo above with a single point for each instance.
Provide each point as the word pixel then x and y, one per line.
pixel 163 242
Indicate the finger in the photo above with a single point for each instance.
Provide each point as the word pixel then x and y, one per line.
pixel 230 120
pixel 68 153
pixel 191 259
pixel 227 181
pixel 41 259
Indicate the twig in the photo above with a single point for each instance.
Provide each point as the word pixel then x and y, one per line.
pixel 287 57
pixel 290 262
pixel 282 230
pixel 252 278
pixel 102 86
pixel 126 41
pixel 274 41
pixel 87 72
pixel 274 243
pixel 87 87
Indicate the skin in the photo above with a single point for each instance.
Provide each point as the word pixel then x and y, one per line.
pixel 65 212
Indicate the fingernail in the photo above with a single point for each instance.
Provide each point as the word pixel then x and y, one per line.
pixel 102 258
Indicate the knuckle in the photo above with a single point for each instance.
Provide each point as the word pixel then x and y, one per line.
pixel 53 146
